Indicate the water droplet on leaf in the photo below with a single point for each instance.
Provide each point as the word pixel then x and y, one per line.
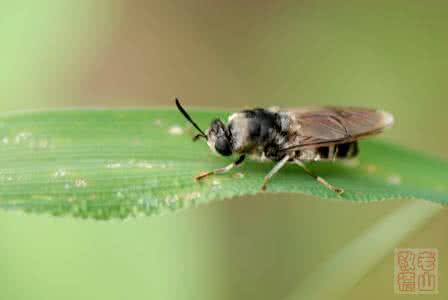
pixel 176 130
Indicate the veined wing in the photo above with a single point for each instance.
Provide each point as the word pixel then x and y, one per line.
pixel 314 127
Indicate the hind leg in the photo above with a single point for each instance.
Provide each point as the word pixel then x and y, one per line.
pixel 322 181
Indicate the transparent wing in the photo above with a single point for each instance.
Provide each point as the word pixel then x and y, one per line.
pixel 312 127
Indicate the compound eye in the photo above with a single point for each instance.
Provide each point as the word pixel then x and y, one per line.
pixel 222 146
pixel 217 126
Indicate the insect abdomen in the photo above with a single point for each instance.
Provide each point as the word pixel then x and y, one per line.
pixel 338 151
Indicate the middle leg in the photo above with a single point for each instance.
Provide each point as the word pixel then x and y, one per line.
pixel 274 170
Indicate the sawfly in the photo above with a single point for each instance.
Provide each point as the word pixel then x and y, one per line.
pixel 291 136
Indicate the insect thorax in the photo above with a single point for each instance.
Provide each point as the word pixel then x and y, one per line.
pixel 258 131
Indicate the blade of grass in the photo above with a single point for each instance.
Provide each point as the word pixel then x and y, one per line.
pixel 118 163
pixel 342 271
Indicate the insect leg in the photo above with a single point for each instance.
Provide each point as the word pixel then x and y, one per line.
pixel 319 179
pixel 221 170
pixel 274 170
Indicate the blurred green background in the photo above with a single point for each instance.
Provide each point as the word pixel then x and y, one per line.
pixel 228 54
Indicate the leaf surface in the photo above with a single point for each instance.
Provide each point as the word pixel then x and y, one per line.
pixel 117 163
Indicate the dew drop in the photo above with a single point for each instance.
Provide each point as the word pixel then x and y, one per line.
pixel 59 173
pixel 192 196
pixel 371 168
pixel 170 200
pixel 238 175
pixel 158 123
pixel 151 202
pixel 5 140
pixel 80 183
pixel 175 130
pixel 144 165
pixel 22 136
pixel 394 179
pixel 113 166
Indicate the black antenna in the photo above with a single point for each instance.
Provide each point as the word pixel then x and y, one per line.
pixel 187 116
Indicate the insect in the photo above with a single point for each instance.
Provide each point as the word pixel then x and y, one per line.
pixel 291 136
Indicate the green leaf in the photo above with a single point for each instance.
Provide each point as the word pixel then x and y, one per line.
pixel 117 163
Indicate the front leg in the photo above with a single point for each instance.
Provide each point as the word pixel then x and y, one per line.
pixel 221 170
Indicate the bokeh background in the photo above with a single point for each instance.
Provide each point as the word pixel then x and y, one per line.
pixel 227 54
